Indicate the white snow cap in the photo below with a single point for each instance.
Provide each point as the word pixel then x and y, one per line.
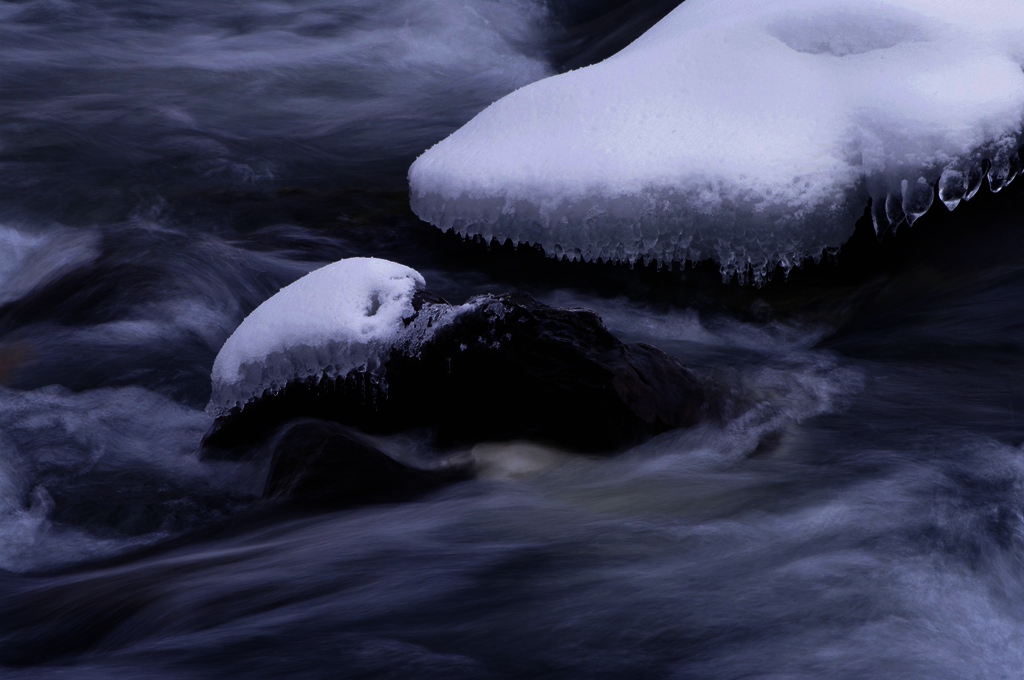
pixel 338 318
pixel 748 131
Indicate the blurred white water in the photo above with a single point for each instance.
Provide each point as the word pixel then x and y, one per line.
pixel 157 98
pixel 95 473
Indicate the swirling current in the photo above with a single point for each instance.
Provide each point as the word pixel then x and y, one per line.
pixel 167 165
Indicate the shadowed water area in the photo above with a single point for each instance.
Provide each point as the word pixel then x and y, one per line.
pixel 166 167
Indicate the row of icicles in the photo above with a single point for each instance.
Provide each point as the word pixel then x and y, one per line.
pixel 959 181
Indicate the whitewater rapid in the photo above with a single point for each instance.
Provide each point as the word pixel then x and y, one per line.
pixel 857 512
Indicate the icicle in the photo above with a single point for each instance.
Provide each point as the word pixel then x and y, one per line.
pixel 953 186
pixel 917 198
pixel 894 210
pixel 975 175
pixel 879 220
pixel 1004 168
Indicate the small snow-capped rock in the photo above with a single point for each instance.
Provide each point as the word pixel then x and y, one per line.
pixel 499 367
pixel 341 318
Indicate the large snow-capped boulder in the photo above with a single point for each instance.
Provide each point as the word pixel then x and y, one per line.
pixel 752 132
pixel 358 343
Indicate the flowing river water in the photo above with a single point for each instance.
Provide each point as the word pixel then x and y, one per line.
pixel 165 166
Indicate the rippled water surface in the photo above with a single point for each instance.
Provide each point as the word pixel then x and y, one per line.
pixel 167 166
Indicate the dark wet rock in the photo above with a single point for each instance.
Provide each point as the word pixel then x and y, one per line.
pixel 322 462
pixel 499 367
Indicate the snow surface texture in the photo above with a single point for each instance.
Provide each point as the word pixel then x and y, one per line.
pixel 752 132
pixel 343 317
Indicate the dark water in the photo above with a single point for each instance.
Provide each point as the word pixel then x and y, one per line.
pixel 166 166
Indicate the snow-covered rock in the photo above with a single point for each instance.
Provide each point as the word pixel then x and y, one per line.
pixel 748 131
pixel 496 368
pixel 337 319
